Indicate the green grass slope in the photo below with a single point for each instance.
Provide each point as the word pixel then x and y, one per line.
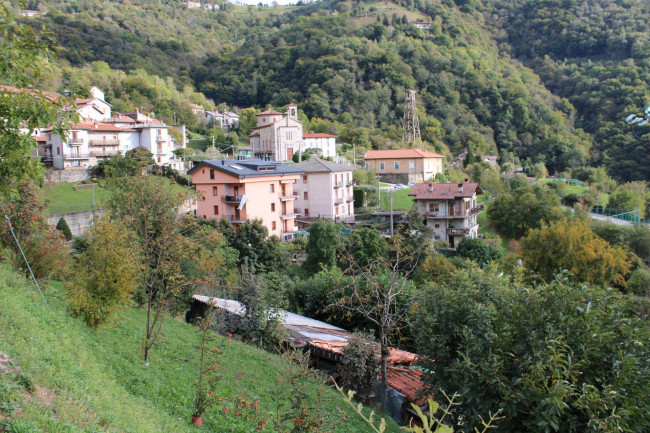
pixel 90 381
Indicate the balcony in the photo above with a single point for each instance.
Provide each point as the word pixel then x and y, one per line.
pixel 161 140
pixel 235 199
pixel 104 142
pixel 76 156
pixel 288 216
pixel 475 210
pixel 102 154
pixel 289 197
pixel 339 184
pixel 455 231
pixel 340 200
pixel 349 199
pixel 236 219
pixel 75 141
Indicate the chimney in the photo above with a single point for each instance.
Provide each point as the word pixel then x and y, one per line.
pixel 430 187
pixel 136 111
pixel 223 162
pixel 460 188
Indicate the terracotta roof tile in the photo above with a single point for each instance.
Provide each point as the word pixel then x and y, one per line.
pixel 317 135
pixel 400 154
pixel 408 381
pixel 268 112
pixel 444 191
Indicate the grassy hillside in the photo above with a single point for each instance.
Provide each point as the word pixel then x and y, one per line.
pixel 90 381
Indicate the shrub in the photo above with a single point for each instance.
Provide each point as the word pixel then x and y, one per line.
pixel 359 366
pixel 105 275
pixel 63 227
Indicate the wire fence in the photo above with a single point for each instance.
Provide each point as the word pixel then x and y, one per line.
pixel 633 216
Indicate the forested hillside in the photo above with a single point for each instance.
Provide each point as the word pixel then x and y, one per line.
pixel 596 53
pixel 522 79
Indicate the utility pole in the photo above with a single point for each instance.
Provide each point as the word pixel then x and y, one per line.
pixel 378 194
pixel 391 213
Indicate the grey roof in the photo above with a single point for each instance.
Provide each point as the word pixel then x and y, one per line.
pixel 248 167
pixel 318 165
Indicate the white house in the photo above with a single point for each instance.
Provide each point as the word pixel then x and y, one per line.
pixel 325 190
pixel 325 143
pixel 277 136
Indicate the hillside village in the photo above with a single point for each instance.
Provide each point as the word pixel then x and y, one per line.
pixel 170 262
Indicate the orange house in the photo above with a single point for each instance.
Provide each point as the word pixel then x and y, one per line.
pixel 243 190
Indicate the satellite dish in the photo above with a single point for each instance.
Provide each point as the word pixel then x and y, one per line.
pixel 643 123
pixel 630 119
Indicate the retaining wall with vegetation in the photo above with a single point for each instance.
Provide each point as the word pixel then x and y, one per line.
pixel 67 175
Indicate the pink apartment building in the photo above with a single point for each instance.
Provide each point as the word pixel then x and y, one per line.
pixel 243 190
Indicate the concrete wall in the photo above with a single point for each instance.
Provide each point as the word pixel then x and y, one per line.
pixel 79 222
pixel 67 175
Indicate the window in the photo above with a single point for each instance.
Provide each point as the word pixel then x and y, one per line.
pixel 58 151
pixel 272 207
pixel 214 190
pixel 433 207
pixel 75 163
pixel 306 195
pixel 211 174
pixel 411 164
pixel 367 166
pixel 273 226
pixel 306 212
pixel 337 210
pixel 216 210
pixel 437 225
pixel 382 166
pixel 304 179
pixel 396 165
pixel 272 188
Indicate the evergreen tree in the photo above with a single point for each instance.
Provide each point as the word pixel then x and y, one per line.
pixel 63 227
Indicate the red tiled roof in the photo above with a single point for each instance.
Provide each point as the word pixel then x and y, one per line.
pixel 407 381
pixel 394 355
pixel 52 96
pixel 120 118
pixel 40 138
pixel 317 135
pixel 444 191
pixel 98 126
pixel 267 112
pixel 400 154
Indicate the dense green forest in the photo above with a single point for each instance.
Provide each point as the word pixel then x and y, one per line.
pixel 550 81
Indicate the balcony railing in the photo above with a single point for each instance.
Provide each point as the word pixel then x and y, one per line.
pixel 76 156
pixel 349 199
pixel 289 197
pixel 236 218
pixel 455 231
pixel 100 154
pixel 75 141
pixel 161 140
pixel 286 216
pixel 339 184
pixel 476 209
pixel 340 200
pixel 104 142
pixel 231 198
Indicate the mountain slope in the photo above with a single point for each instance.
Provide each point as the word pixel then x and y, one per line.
pixel 89 381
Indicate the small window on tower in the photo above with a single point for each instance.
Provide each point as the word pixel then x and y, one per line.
pixel 214 190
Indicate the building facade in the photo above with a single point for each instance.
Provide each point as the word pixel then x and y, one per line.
pixel 325 191
pixel 404 165
pixel 244 190
pixel 450 209
pixel 325 143
pixel 277 136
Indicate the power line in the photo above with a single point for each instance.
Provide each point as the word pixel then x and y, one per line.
pixel 11 229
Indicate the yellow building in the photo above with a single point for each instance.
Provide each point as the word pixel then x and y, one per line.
pixel 404 165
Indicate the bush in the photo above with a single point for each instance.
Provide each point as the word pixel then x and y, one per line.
pixel 63 227
pixel 639 282
pixel 105 275
pixel 359 197
pixel 359 366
